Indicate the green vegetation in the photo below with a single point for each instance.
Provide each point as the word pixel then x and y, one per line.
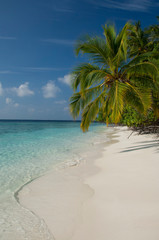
pixel 120 81
pixel 131 117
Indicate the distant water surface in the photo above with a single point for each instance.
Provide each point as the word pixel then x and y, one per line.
pixel 28 149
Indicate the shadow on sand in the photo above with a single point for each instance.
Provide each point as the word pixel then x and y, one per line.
pixel 143 145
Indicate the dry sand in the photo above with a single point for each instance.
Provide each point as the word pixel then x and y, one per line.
pixel 115 197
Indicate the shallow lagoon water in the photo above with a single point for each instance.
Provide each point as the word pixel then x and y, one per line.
pixel 28 149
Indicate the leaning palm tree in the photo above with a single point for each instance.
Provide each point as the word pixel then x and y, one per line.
pixel 109 80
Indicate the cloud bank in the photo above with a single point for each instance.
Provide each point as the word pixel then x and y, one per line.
pixel 7 38
pixel 9 101
pixel 61 102
pixel 23 90
pixel 59 41
pixel 130 5
pixel 66 79
pixel 1 89
pixel 50 90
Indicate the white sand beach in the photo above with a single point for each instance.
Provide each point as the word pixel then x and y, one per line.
pixel 112 195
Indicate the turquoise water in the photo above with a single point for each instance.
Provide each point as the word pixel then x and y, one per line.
pixel 28 149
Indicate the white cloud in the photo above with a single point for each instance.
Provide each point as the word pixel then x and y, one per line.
pixel 7 38
pixel 31 110
pixel 59 41
pixel 43 69
pixel 64 6
pixel 62 9
pixel 66 79
pixel 61 102
pixel 9 101
pixel 133 5
pixel 66 108
pixel 5 72
pixel 1 89
pixel 23 90
pixel 50 90
pixel 16 104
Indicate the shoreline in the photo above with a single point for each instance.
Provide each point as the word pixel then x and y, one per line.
pixel 88 158
pixel 71 200
pixel 64 165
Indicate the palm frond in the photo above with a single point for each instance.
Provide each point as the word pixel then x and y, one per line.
pixel 115 101
pixel 76 103
pixel 95 77
pixel 88 75
pixel 80 74
pixel 145 57
pixel 141 99
pixel 80 99
pixel 110 35
pixel 121 44
pixel 95 47
pixel 142 69
pixel 90 112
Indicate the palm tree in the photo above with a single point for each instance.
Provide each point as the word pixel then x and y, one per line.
pixel 109 79
pixel 139 41
pixel 153 32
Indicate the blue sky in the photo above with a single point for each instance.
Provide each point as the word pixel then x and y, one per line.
pixel 37 49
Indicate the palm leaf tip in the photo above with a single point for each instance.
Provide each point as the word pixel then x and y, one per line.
pixel 75 104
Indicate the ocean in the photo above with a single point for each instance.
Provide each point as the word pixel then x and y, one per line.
pixel 28 149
